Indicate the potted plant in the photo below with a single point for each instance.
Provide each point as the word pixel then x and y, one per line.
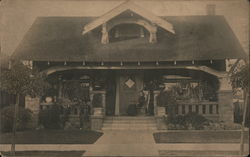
pixel 97 104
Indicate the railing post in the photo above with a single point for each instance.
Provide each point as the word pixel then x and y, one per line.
pixel 207 109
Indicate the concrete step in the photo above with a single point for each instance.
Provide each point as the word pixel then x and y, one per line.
pixel 127 128
pixel 130 121
pixel 128 125
pixel 129 118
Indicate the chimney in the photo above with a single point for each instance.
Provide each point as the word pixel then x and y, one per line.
pixel 211 9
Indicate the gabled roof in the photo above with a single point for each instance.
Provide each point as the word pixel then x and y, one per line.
pixel 196 38
pixel 128 5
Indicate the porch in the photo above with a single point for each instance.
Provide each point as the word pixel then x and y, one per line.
pixel 112 92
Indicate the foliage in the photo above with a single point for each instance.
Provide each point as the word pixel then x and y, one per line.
pixel 22 80
pixel 97 100
pixel 131 111
pixel 192 121
pixel 7 118
pixel 222 126
pixel 50 117
pixel 76 92
pixel 240 77
pixel 166 98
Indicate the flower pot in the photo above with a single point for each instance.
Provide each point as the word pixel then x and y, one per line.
pixel 161 111
pixel 98 111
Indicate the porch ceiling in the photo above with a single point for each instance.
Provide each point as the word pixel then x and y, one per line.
pixel 195 38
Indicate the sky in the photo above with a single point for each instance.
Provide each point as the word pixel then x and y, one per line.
pixel 17 16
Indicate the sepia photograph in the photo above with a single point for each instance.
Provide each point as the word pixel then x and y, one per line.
pixel 124 78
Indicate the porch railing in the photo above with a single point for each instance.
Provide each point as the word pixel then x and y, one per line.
pixel 204 108
pixel 210 110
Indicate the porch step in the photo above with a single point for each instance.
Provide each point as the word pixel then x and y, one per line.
pixel 129 123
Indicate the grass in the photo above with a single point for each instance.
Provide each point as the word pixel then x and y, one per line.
pixel 46 153
pixel 199 137
pixel 52 137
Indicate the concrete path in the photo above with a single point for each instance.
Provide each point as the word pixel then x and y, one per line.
pixel 124 143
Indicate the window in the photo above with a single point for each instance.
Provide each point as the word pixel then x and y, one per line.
pixel 126 32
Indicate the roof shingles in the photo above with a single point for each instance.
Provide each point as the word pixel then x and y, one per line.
pixel 196 38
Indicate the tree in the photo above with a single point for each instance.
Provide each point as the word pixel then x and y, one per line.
pixel 21 80
pixel 240 79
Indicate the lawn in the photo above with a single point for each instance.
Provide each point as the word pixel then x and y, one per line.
pixel 46 153
pixel 199 137
pixel 52 137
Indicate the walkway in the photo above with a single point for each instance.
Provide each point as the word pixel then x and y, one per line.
pixel 124 143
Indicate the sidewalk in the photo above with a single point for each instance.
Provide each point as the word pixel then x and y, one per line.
pixel 126 143
pixel 78 147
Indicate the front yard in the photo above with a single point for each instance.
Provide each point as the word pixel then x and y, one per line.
pixel 199 137
pixel 52 137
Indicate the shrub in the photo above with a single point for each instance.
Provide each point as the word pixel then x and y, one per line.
pixel 195 121
pixel 131 111
pixel 7 118
pixel 50 117
pixel 166 98
pixel 188 121
pixel 223 126
pixel 97 100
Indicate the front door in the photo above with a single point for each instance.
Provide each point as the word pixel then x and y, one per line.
pixel 130 85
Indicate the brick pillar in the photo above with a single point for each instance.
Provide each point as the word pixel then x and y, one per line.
pixel 156 94
pixel 98 114
pixel 33 104
pixel 225 100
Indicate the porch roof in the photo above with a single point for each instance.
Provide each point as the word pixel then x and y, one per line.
pixel 195 38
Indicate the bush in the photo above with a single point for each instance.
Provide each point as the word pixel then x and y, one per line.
pixel 50 117
pixel 97 100
pixel 223 126
pixel 7 118
pixel 131 111
pixel 192 121
pixel 195 121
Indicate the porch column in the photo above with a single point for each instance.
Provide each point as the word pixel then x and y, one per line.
pixel 225 100
pixel 60 87
pixel 103 93
pixel 156 94
pixel 117 97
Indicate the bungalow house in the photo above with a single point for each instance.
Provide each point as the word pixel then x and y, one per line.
pixel 129 51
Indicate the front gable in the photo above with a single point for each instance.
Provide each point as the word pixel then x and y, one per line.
pixel 128 5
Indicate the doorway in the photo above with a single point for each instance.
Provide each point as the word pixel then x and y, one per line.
pixel 130 83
